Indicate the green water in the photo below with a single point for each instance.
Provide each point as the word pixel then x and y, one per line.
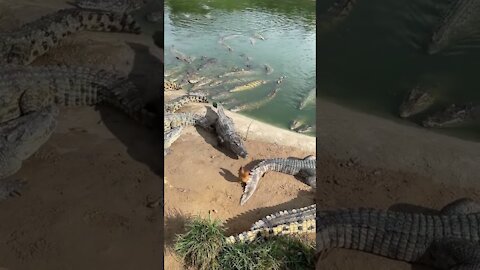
pixel 195 27
pixel 378 53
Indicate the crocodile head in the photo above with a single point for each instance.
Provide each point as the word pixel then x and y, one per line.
pixel 417 100
pixel 237 147
pixel 454 114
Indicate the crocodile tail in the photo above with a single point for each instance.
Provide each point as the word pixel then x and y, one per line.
pixel 120 6
pixel 286 216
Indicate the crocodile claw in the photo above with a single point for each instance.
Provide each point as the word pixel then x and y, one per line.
pixel 10 188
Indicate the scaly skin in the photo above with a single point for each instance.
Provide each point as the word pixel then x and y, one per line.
pixel 173 120
pixel 34 39
pixel 227 135
pixel 304 168
pixel 260 103
pixel 19 139
pixel 447 240
pixel 170 86
pixel 417 101
pixel 462 12
pixel 453 115
pixel 119 6
pixel 170 137
pixel 26 89
pixel 174 105
pixel 248 86
pixel 288 222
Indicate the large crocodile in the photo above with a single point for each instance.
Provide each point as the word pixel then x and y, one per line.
pixel 459 15
pixel 248 86
pixel 227 135
pixel 453 115
pixel 287 222
pixel 305 169
pixel 179 102
pixel 25 89
pixel 416 101
pixel 447 240
pixel 19 139
pixel 173 120
pixel 120 6
pixel 34 39
pixel 262 102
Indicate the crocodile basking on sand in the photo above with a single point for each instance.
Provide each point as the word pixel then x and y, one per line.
pixel 20 138
pixel 173 120
pixel 459 15
pixel 175 104
pixel 119 6
pixel 415 102
pixel 34 39
pixel 453 115
pixel 227 135
pixel 287 222
pixel 448 239
pixel 170 137
pixel 305 169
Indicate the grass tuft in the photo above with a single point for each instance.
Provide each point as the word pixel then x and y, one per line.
pixel 203 246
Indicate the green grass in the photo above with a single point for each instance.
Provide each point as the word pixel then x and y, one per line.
pixel 203 247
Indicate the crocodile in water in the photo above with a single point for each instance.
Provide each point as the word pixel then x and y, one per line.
pixel 417 101
pixel 305 169
pixel 447 240
pixel 248 86
pixel 453 115
pixel 170 86
pixel 227 135
pixel 175 104
pixel 310 97
pixel 34 39
pixel 457 19
pixel 294 221
pixel 19 139
pixel 260 103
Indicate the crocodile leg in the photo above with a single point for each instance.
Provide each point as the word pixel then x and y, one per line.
pixel 308 176
pixel 19 139
pixel 455 253
pixel 461 206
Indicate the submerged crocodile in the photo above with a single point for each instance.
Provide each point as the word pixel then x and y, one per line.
pixel 307 99
pixel 260 103
pixel 447 240
pixel 181 56
pixel 170 137
pixel 305 169
pixel 34 39
pixel 248 86
pixel 20 138
pixel 453 115
pixel 461 13
pixel 119 6
pixel 417 101
pixel 294 221
pixel 227 135
pixel 176 104
pixel 336 13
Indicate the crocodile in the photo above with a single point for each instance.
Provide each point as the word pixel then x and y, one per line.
pixel 260 103
pixel 416 101
pixel 170 137
pixel 453 115
pixel 287 222
pixel 307 99
pixel 304 129
pixel 448 239
pixel 20 138
pixel 302 168
pixel 179 102
pixel 295 124
pixel 268 69
pixel 227 135
pixel 461 13
pixel 34 39
pixel 25 89
pixel 119 6
pixel 207 62
pixel 181 56
pixel 238 73
pixel 248 86
pixel 173 120
pixel 171 86
pixel 336 13
pixel 258 36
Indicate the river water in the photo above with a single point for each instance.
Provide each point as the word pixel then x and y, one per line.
pixel 195 28
pixel 371 59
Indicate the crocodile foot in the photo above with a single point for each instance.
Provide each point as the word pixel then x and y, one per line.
pixel 10 188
